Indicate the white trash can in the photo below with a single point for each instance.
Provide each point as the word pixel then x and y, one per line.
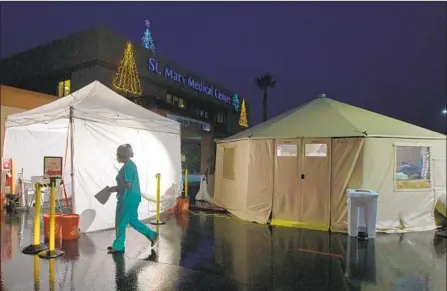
pixel 362 212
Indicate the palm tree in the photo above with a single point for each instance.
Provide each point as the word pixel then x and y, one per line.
pixel 264 82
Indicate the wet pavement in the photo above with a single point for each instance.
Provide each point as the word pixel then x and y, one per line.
pixel 213 252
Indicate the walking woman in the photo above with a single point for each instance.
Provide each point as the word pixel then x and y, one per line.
pixel 129 198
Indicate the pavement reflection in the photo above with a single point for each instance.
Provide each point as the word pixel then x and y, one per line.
pixel 206 252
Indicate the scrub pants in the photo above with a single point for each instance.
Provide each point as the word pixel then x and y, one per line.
pixel 127 213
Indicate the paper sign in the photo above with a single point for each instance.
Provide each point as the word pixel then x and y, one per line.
pixel 52 167
pixel 103 195
pixel 6 164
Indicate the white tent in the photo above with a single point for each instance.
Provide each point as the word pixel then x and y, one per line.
pixel 298 165
pixel 91 123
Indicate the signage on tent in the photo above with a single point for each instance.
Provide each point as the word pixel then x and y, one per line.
pixel 52 167
pixel 189 81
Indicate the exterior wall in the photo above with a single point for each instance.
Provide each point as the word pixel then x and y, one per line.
pixel 111 49
pixel 53 63
pixel 85 76
pixel 14 100
pixel 95 54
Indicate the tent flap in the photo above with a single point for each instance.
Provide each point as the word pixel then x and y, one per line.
pixel 347 173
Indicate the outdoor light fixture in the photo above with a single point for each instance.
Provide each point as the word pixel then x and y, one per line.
pixel 444 112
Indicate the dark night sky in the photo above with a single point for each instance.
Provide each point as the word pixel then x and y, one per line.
pixel 386 57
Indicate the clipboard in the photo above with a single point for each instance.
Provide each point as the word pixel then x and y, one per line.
pixel 103 195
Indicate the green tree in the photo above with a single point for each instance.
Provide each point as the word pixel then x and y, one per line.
pixel 264 83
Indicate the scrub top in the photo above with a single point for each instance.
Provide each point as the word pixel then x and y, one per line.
pixel 129 173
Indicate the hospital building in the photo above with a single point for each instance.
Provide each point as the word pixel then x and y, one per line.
pixel 207 111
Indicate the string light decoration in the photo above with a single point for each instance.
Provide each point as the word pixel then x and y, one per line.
pixel 126 78
pixel 243 121
pixel 148 41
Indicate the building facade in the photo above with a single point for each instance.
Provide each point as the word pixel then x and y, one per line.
pixel 206 110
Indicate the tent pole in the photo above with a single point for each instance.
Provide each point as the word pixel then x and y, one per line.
pixel 72 161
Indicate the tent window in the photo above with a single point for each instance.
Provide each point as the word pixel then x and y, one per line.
pixel 228 164
pixel 286 150
pixel 315 150
pixel 412 167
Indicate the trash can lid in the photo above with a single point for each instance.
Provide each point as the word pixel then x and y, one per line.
pixel 362 193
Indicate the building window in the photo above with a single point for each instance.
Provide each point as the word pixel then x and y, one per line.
pixel 176 101
pixel 169 98
pixel 181 103
pixel 412 167
pixel 64 88
pixel 221 118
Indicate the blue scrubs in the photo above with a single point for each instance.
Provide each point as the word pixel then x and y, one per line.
pixel 127 206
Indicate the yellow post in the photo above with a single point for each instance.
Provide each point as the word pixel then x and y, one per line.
pixel 37 199
pixel 36 273
pixel 52 234
pixel 186 182
pixel 157 220
pixel 52 272
pixel 36 247
pixel 52 252
pixel 13 178
pixel 157 213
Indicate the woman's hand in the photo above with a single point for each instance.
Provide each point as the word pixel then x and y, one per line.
pixel 113 189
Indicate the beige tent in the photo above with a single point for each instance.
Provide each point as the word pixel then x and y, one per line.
pixel 298 165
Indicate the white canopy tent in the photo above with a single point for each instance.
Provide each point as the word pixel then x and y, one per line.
pixel 298 165
pixel 86 127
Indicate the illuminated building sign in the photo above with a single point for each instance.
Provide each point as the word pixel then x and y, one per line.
pixel 193 83
pixel 189 122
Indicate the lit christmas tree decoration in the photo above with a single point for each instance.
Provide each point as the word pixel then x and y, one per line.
pixel 236 102
pixel 126 78
pixel 147 39
pixel 243 121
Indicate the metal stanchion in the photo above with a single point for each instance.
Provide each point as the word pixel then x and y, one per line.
pixel 36 273
pixel 37 246
pixel 157 220
pixel 52 253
